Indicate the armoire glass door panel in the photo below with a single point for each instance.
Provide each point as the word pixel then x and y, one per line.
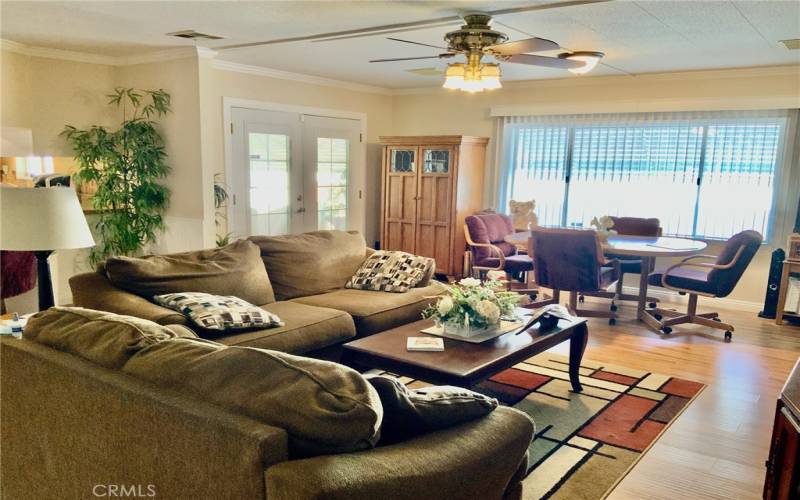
pixel 402 161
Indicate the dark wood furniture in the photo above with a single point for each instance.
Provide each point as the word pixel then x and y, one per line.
pixel 430 184
pixel 783 465
pixel 462 363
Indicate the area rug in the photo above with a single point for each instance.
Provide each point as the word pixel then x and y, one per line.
pixel 585 443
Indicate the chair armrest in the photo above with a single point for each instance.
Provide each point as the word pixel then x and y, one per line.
pixel 692 257
pixel 493 248
pixel 94 291
pixel 478 459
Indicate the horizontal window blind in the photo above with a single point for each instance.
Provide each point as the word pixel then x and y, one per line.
pixel 700 176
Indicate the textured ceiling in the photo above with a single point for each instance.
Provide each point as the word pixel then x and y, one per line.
pixel 637 37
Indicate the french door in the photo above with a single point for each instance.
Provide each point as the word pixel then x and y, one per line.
pixel 294 173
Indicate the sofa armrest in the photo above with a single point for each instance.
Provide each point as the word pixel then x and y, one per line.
pixel 478 459
pixel 94 291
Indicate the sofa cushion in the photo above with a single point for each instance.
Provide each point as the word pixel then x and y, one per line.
pixel 235 269
pixel 324 407
pixel 104 338
pixel 219 313
pixel 378 311
pixel 408 413
pixel 390 271
pixel 311 263
pixel 306 328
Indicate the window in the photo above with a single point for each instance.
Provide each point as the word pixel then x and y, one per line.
pixel 701 178
pixel 332 162
pixel 269 183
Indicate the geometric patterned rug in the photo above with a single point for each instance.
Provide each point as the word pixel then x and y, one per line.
pixel 586 442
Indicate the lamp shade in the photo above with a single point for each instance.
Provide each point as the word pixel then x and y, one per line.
pixel 42 219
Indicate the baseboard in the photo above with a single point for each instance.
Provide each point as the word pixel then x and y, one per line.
pixel 673 297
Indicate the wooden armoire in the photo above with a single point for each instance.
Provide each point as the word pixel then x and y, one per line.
pixel 430 184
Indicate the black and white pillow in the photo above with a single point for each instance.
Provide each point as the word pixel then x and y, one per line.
pixel 390 271
pixel 217 312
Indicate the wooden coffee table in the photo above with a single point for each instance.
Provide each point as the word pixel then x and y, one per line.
pixel 462 363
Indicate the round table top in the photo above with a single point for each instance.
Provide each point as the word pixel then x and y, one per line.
pixel 642 246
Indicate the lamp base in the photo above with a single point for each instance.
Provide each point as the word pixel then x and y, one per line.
pixel 45 282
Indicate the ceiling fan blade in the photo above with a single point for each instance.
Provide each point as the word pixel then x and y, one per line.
pixel 410 58
pixel 354 33
pixel 523 46
pixel 549 62
pixel 416 43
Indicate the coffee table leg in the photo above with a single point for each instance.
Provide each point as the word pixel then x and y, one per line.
pixel 577 345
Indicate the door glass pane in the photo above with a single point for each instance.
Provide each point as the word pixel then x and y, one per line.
pixel 436 161
pixel 402 160
pixel 269 183
pixel 333 157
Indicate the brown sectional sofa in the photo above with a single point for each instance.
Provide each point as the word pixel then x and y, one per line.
pixel 306 274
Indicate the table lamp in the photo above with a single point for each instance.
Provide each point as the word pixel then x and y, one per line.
pixel 42 220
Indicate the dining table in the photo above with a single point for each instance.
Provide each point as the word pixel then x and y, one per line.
pixel 645 248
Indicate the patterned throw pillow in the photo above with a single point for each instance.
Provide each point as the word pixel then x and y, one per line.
pixel 217 312
pixel 390 271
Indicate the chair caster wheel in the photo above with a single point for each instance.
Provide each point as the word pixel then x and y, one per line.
pixel 681 293
pixel 657 317
pixel 581 299
pixel 614 308
pixel 612 321
pixel 652 305
pixel 666 330
pixel 728 336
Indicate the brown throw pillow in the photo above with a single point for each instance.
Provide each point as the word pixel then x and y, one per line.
pixel 324 407
pixel 104 338
pixel 235 269
pixel 408 413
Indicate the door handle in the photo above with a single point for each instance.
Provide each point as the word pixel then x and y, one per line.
pixel 301 210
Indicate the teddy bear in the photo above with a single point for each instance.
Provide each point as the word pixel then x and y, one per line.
pixel 522 214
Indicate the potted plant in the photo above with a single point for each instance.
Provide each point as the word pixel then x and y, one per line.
pixel 126 166
pixel 471 307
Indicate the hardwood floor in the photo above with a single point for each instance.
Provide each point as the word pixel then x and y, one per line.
pixel 717 448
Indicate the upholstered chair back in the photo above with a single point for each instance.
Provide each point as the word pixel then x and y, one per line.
pixel 566 259
pixel 636 226
pixel 490 228
pixel 726 279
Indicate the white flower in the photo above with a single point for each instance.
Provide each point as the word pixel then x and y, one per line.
pixel 469 282
pixel 488 310
pixel 444 306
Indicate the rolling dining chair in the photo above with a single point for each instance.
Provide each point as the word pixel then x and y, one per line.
pixel 716 279
pixel 572 260
pixel 488 251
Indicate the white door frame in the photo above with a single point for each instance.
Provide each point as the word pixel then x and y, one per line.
pixel 359 172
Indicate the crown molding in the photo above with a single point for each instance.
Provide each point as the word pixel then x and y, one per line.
pixel 65 55
pixel 86 57
pixel 296 77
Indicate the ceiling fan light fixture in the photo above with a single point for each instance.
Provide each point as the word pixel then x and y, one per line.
pixel 490 76
pixel 590 60
pixel 454 76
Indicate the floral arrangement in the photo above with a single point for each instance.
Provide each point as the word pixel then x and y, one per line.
pixel 472 305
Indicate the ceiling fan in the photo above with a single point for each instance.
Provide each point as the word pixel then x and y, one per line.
pixel 477 39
